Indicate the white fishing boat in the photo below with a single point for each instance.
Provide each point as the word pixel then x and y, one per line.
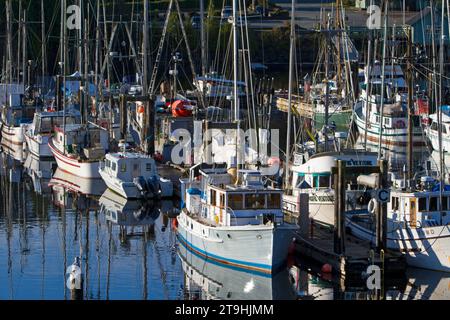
pixel 234 220
pixel 416 226
pixel 367 113
pixel 432 131
pixel 15 117
pixel 38 133
pixel 134 176
pixel 314 178
pixel 78 149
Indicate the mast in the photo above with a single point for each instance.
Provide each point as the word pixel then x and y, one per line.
pixel 410 104
pixel 43 41
pixel 9 40
pixel 80 41
pixel 24 47
pixel 368 83
pixel 145 49
pixel 202 38
pixel 439 111
pixel 383 77
pixel 97 44
pixel 235 85
pixel 64 66
pixel 291 80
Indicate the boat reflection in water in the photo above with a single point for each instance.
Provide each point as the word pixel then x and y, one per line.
pixel 70 190
pixel 40 171
pixel 129 213
pixel 205 280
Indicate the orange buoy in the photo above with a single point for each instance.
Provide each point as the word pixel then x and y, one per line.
pixel 327 268
pixel 174 224
pixel 141 109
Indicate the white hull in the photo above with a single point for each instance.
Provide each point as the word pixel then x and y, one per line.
pixel 392 137
pixel 258 249
pixel 129 190
pixel 434 139
pixel 76 167
pixel 427 248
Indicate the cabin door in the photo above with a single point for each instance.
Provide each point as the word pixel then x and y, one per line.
pixel 413 212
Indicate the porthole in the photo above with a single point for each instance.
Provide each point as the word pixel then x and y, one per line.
pixel 259 237
pixel 229 236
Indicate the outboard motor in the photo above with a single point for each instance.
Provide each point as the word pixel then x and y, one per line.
pixel 141 184
pixel 154 187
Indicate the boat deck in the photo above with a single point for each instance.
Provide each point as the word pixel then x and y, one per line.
pixel 319 246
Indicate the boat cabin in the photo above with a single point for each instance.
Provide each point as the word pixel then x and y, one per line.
pixel 316 172
pixel 90 143
pixel 45 122
pixel 127 166
pixel 419 209
pixel 222 200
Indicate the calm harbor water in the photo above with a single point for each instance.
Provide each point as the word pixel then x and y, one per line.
pixel 129 249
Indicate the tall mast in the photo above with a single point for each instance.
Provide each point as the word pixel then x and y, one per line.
pixel 80 40
pixel 383 89
pixel 439 111
pixel 24 47
pixel 291 80
pixel 368 103
pixel 97 44
pixel 43 41
pixel 9 40
pixel 202 38
pixel 145 49
pixel 64 66
pixel 235 85
pixel 410 104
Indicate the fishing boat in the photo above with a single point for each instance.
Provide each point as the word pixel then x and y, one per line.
pixel 15 117
pixel 39 132
pixel 134 176
pixel 78 149
pixel 234 220
pixel 432 131
pixel 314 177
pixel 367 112
pixel 416 225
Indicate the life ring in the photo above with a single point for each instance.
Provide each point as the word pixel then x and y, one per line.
pixel 372 206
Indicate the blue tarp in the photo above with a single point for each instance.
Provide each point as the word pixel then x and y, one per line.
pixel 438 186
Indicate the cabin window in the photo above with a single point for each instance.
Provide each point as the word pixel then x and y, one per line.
pixel 324 181
pixel 222 200
pixel 444 129
pixel 46 125
pixel 422 204
pixel 113 166
pixel 123 167
pixel 395 203
pixel 235 201
pixel 108 163
pixel 377 119
pixel 255 201
pixel 386 121
pixel 136 167
pixel 444 203
pixel 148 167
pixel 433 204
pixel 273 201
pixel 213 197
pixel 434 126
pixel 60 138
